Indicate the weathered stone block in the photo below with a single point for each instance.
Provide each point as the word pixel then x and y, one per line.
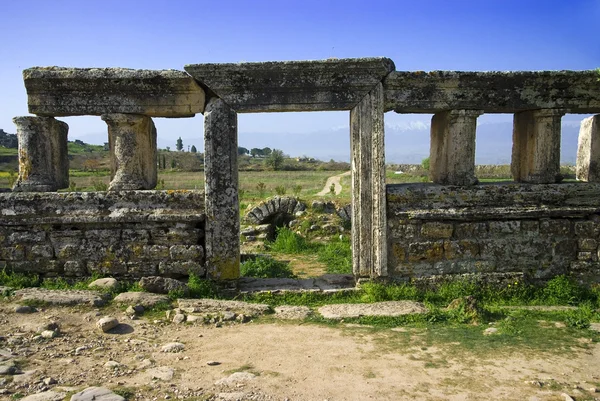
pixel 536 146
pixel 588 150
pixel 186 252
pixel 404 231
pixel 584 255
pixel 530 227
pixel 139 235
pixel 20 237
pixel 74 268
pixel 461 249
pixel 132 142
pixel 437 230
pixel 495 92
pixel 181 269
pixel 428 250
pixel 471 230
pixel 335 84
pixel 56 91
pixel 398 252
pixel 587 229
pixel 43 155
pixel 155 251
pixel 587 244
pixel 452 155
pixel 221 184
pixel 14 252
pixel 565 248
pixel 504 227
pixel 555 227
pixel 141 269
pixel 42 251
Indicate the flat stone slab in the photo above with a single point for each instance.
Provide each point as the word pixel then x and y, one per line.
pixel 235 378
pixel 327 282
pixel 59 91
pixel 291 312
pixel 219 306
pixel 61 297
pixel 96 394
pixel 46 396
pixel 388 308
pixel 495 92
pixel 333 84
pixel 144 299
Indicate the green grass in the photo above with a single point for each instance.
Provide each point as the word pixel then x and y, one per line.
pixel 265 267
pixel 8 151
pixel 287 241
pixel 337 255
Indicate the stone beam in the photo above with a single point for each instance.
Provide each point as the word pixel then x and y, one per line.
pixel 132 141
pixel 43 155
pixel 333 84
pixel 588 150
pixel 369 229
pixel 452 157
pixel 57 91
pixel 221 188
pixel 536 146
pixel 492 92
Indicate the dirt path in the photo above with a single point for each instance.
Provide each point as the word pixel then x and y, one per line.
pixel 335 180
pixel 279 360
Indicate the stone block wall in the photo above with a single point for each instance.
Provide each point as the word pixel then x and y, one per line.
pixel 126 234
pixel 497 231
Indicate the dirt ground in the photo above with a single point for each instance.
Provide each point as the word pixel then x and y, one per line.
pixel 279 360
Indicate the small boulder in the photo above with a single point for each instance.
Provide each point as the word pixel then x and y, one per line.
pixel 162 285
pixel 179 318
pixel 107 283
pixel 489 331
pixel 49 334
pixel 134 310
pixel 24 309
pixel 173 347
pixel 107 323
pixel 45 396
pixel 96 394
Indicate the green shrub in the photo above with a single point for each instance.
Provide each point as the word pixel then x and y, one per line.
pixel 18 280
pixel 580 318
pixel 288 241
pixel 280 190
pixel 562 290
pixel 337 255
pixel 201 288
pixel 264 267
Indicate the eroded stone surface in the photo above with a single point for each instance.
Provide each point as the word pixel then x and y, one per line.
pixel 277 210
pixel 96 394
pixel 334 84
pixel 43 155
pixel 219 306
pixel 290 312
pixel 389 308
pixel 132 142
pixel 61 297
pixel 58 91
pixel 588 150
pixel 144 299
pixel 497 92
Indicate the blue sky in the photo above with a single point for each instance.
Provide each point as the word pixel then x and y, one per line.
pixel 417 35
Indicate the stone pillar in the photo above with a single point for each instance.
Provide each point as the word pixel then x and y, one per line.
pixel 536 146
pixel 43 155
pixel 221 191
pixel 132 141
pixel 452 152
pixel 369 228
pixel 588 150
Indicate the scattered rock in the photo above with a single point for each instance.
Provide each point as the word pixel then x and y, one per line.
pixel 104 283
pixel 173 347
pixel 163 373
pixel 235 378
pixel 389 308
pixel 228 316
pixel 213 363
pixel 96 394
pixel 567 397
pixel 48 381
pixel 489 331
pixel 49 326
pixel 49 334
pixel 193 318
pixel 61 297
pixel 145 364
pixel 46 396
pixel 232 396
pixel 112 365
pixel 27 377
pixel 144 299
pixel 292 312
pixel 179 318
pixel 24 309
pixel 8 369
pixel 134 310
pixel 162 285
pixel 107 323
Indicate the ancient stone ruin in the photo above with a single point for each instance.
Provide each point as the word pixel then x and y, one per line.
pixel 535 227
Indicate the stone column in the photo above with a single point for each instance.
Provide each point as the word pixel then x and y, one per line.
pixel 536 146
pixel 132 141
pixel 452 152
pixel 588 150
pixel 43 156
pixel 369 228
pixel 221 191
